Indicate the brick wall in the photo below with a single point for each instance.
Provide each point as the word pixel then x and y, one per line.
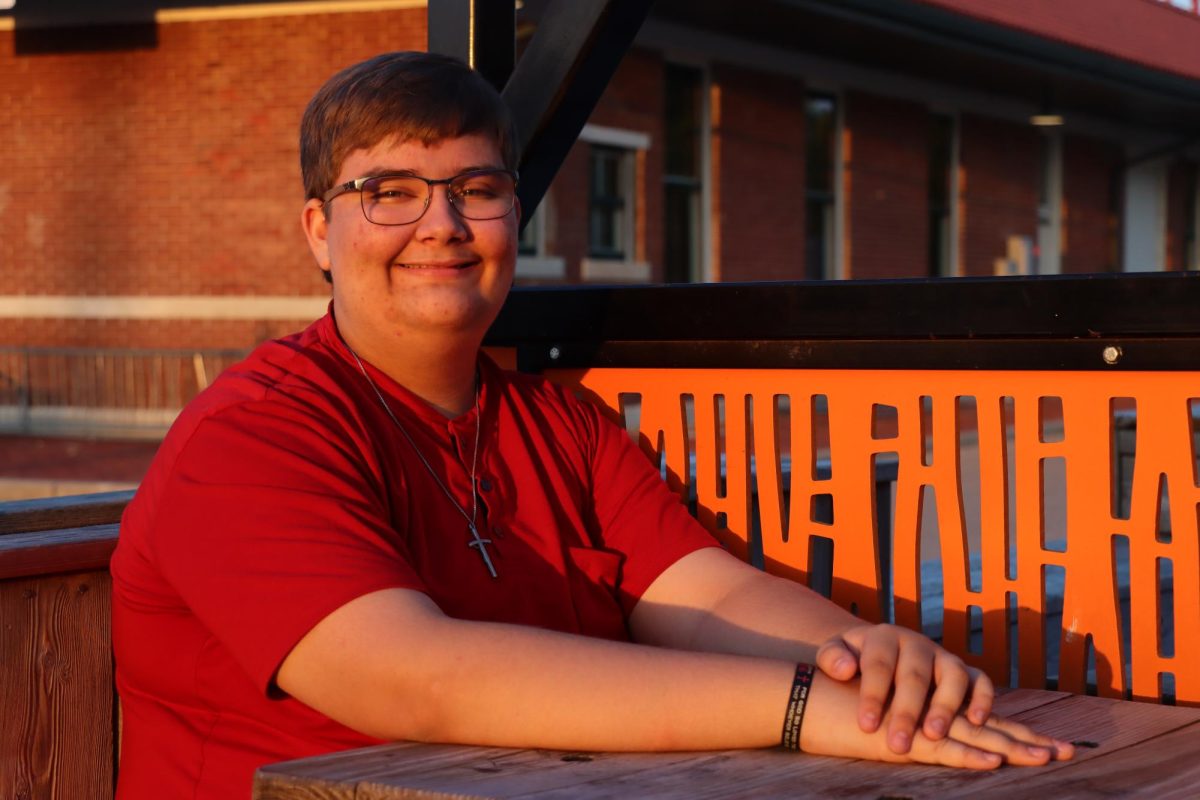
pixel 169 170
pixel 569 196
pixel 758 175
pixel 1091 169
pixel 998 188
pixel 886 186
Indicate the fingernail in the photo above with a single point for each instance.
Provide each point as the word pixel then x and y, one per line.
pixel 870 718
pixel 937 725
pixel 842 664
pixel 1037 752
pixel 900 741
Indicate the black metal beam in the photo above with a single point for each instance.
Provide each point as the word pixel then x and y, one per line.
pixel 480 32
pixel 1120 322
pixel 559 79
pixel 1125 354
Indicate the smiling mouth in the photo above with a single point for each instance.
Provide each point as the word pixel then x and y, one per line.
pixel 459 265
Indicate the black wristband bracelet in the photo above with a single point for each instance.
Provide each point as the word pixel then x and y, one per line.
pixel 795 707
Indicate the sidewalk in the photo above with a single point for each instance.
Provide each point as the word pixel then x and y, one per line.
pixel 50 467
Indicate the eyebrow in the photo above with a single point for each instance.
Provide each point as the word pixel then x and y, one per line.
pixel 376 172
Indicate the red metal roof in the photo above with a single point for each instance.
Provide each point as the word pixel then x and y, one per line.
pixel 1151 33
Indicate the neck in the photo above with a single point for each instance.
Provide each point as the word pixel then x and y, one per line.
pixel 442 374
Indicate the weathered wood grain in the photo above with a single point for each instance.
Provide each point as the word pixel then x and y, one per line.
pixel 56 688
pixel 77 511
pixel 1141 748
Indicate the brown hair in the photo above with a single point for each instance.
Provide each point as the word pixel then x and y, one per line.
pixel 409 96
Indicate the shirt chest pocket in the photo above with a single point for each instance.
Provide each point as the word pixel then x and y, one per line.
pixel 593 576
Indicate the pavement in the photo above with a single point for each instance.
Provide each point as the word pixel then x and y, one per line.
pixel 36 466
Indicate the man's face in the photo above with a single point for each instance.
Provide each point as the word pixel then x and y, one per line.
pixel 425 283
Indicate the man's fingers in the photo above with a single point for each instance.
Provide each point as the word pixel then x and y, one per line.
pixel 877 663
pixel 953 682
pixel 837 660
pixel 1014 742
pixel 1023 733
pixel 956 686
pixel 913 673
pixel 984 747
pixel 954 753
pixel 983 693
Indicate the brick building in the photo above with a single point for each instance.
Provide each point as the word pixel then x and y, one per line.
pixel 150 192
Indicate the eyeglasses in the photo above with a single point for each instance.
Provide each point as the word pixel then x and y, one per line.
pixel 402 199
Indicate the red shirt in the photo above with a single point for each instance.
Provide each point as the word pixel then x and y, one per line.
pixel 284 491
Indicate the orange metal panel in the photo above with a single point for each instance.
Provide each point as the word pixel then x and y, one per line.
pixel 705 424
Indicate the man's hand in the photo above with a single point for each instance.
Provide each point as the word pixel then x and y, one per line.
pixel 904 664
pixel 828 730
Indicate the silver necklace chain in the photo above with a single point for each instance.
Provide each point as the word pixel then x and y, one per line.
pixel 477 542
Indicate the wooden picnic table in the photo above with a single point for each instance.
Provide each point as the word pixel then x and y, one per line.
pixel 1123 749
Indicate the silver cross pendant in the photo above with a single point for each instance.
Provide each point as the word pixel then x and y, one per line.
pixel 479 543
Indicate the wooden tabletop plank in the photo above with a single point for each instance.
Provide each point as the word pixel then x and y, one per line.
pixel 1010 702
pixel 1139 746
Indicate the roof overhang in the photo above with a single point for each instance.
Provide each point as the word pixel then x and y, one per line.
pixel 934 43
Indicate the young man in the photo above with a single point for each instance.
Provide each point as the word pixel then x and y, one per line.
pixel 367 531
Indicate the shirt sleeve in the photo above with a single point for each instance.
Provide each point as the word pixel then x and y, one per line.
pixel 270 520
pixel 634 512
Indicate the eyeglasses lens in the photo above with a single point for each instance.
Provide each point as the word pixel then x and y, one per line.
pixel 398 200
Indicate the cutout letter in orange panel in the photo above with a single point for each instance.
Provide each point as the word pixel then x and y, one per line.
pixel 1164 447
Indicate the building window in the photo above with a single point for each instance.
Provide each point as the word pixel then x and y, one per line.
pixel 616 243
pixel 534 262
pixel 610 202
pixel 682 178
pixel 820 208
pixel 941 195
pixel 529 241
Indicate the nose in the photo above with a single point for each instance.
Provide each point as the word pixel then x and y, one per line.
pixel 441 219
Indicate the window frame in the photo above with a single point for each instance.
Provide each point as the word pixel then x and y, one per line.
pixel 626 264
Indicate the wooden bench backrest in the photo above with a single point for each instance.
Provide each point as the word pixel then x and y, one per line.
pixel 59 740
pixel 719 434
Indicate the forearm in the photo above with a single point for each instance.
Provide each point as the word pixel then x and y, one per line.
pixel 553 690
pixel 776 618
pixel 720 605
pixel 391 665
pixel 494 684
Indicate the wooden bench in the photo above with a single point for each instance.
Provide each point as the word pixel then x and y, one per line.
pixel 59 738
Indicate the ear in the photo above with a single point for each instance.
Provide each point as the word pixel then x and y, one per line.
pixel 316 230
